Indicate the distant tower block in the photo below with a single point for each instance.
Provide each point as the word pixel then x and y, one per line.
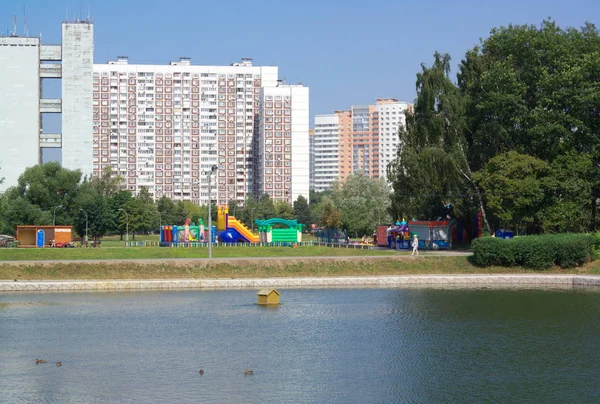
pixel 77 93
pixel 268 297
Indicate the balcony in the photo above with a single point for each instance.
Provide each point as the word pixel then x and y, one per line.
pixel 51 140
pixel 53 70
pixel 51 105
pixel 50 52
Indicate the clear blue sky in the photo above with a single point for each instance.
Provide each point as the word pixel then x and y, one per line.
pixel 348 52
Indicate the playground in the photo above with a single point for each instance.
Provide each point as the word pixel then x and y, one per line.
pixel 275 232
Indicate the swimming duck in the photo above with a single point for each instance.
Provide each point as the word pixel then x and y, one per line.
pixel 38 361
pixel 58 364
pixel 248 372
pixel 201 371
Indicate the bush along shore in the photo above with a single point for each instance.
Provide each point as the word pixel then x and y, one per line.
pixel 536 252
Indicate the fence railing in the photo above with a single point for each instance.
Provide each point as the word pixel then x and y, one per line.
pixel 193 244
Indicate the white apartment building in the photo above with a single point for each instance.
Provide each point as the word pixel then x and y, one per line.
pixel 391 113
pixel 24 62
pixel 283 150
pixel 164 126
pixel 326 151
pixel 361 139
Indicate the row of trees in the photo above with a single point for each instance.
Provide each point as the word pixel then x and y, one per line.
pixel 515 136
pixel 49 194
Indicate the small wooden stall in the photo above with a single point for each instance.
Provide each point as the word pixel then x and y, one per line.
pixel 41 236
pixel 268 296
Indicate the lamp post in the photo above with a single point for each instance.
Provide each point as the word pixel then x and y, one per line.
pixel 86 225
pixel 126 224
pixel 213 169
pixel 54 215
pixel 252 218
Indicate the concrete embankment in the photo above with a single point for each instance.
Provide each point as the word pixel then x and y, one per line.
pixel 513 280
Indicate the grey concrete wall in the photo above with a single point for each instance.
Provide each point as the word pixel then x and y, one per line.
pixel 19 107
pixel 77 109
pixel 492 281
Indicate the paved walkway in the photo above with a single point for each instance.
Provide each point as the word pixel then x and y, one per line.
pixel 488 281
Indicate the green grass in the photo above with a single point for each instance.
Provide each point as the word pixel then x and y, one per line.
pixel 27 254
pixel 403 265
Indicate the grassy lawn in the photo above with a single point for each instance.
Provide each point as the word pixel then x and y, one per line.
pixel 270 268
pixel 26 254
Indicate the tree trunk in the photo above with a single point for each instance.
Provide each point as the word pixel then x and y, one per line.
pixel 469 176
pixel 482 208
pixel 593 221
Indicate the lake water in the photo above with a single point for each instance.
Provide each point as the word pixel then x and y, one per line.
pixel 320 346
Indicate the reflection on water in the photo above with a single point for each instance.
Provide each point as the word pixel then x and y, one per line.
pixel 319 346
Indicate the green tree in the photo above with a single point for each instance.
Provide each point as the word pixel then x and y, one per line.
pixel 19 211
pixel 331 217
pixel 108 184
pixel 48 186
pixel 302 212
pixel 117 222
pixel 248 214
pixel 283 210
pixel 265 208
pixel 363 202
pixel 568 189
pixel 515 187
pixel 432 165
pixel 142 212
pixel 535 90
pixel 95 204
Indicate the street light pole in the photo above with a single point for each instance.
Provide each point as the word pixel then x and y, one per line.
pixel 126 224
pixel 252 218
pixel 86 225
pixel 54 215
pixel 213 169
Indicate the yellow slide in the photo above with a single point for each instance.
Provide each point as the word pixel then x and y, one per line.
pixel 242 229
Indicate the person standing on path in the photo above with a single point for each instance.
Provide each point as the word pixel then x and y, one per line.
pixel 415 245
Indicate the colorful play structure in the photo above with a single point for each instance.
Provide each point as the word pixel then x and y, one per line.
pixel 189 232
pixel 269 234
pixel 432 235
pixel 230 230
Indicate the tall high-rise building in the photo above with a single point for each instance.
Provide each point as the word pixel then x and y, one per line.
pixel 311 158
pixel 164 126
pixel 77 66
pixel 24 63
pixel 326 151
pixel 19 107
pixel 361 139
pixel 283 153
pixel 390 117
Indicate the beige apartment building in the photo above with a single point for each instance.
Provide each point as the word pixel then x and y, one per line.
pixel 361 139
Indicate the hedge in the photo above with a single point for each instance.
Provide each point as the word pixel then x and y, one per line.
pixel 535 252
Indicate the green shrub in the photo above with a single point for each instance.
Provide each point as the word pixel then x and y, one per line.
pixel 535 252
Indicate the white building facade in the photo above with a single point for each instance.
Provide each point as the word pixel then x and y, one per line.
pixel 326 151
pixel 77 66
pixel 392 116
pixel 164 126
pixel 361 139
pixel 283 149
pixel 19 107
pixel 24 63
